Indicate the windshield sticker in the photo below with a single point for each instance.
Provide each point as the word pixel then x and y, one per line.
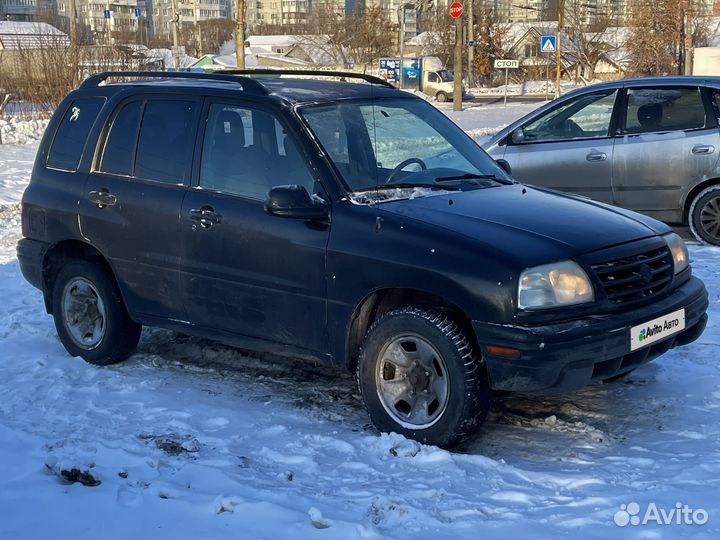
pixel 75 114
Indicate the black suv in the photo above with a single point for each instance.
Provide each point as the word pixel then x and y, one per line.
pixel 345 222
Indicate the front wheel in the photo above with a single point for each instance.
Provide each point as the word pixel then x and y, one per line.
pixel 420 376
pixel 90 316
pixel 704 216
pixel 442 97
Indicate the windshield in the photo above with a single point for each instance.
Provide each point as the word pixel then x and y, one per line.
pixel 399 143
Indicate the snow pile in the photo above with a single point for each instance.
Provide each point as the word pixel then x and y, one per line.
pixel 18 131
pixel 527 87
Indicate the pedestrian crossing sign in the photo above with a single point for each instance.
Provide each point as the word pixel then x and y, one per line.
pixel 548 44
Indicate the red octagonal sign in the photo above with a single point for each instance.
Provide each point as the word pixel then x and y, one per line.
pixel 456 10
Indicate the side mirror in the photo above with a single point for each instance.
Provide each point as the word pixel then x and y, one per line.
pixel 504 165
pixel 294 202
pixel 518 136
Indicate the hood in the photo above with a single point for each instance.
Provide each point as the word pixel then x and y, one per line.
pixel 529 224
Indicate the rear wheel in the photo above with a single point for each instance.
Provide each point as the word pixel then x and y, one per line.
pixel 442 97
pixel 704 216
pixel 420 376
pixel 90 316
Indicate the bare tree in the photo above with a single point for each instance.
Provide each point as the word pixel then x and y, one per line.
pixel 489 36
pixel 660 32
pixel 215 32
pixel 326 32
pixel 370 36
pixel 588 37
pixel 439 35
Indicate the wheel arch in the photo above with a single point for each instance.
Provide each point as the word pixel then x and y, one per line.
pixel 381 301
pixel 693 193
pixel 64 251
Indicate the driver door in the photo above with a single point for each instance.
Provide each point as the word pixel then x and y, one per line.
pixel 570 148
pixel 247 272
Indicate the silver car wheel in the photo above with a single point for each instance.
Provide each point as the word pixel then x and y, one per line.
pixel 411 379
pixel 710 218
pixel 84 313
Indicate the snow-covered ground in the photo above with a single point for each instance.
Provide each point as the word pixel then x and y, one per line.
pixel 190 438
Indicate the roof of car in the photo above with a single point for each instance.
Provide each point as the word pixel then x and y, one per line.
pixel 290 87
pixel 645 81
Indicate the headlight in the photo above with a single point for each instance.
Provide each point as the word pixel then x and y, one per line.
pixel 559 284
pixel 679 252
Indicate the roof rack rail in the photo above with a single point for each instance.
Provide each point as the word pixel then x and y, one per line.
pixel 246 83
pixel 312 72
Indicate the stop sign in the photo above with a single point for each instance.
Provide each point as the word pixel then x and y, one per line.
pixel 456 10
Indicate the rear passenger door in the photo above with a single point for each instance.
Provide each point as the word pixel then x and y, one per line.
pixel 248 272
pixel 131 203
pixel 669 139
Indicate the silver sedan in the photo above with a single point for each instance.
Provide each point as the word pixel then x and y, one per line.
pixel 650 145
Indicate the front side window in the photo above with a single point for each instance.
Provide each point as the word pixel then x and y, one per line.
pixel 72 134
pixel 585 117
pixel 247 152
pixel 664 109
pixel 398 142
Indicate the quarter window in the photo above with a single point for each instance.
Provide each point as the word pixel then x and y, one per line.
pixel 664 109
pixel 585 117
pixel 247 152
pixel 72 134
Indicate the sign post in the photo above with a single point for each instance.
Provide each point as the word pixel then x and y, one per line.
pixel 548 45
pixel 456 11
pixel 507 65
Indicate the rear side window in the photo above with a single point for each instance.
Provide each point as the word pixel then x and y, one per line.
pixel 72 133
pixel 119 149
pixel 165 144
pixel 664 109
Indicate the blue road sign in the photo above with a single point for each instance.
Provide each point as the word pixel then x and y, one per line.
pixel 548 44
pixel 106 13
pixel 138 12
pixel 472 43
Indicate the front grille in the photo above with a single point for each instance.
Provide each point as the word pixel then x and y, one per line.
pixel 636 277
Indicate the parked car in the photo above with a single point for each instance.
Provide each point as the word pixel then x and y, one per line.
pixel 650 145
pixel 348 223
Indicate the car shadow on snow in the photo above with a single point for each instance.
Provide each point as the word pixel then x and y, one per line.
pixel 587 420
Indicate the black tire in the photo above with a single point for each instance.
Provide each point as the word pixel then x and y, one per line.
pixel 468 402
pixel 705 204
pixel 442 97
pixel 121 334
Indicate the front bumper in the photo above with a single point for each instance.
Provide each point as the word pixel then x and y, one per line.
pixel 569 355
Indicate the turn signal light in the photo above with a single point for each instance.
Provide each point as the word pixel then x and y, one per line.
pixel 506 352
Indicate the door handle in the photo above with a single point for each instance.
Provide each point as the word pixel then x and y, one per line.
pixel 102 198
pixel 701 149
pixel 206 216
pixel 596 156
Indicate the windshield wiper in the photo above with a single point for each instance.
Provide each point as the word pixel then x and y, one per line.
pixel 405 186
pixel 468 176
